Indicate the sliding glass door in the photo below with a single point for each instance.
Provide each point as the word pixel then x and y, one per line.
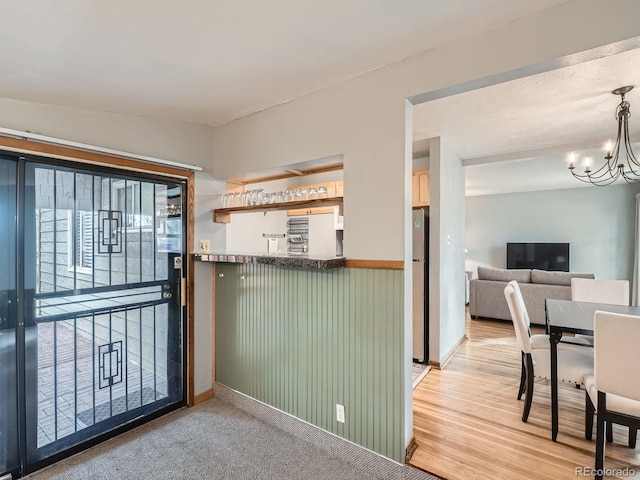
pixel 9 458
pixel 100 341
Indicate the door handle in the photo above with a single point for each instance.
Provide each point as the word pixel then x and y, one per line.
pixel 166 291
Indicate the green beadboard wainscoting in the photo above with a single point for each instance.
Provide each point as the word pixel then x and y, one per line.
pixel 304 340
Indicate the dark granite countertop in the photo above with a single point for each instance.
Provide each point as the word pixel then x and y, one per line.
pixel 317 262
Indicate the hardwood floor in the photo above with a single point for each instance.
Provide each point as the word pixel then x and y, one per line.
pixel 468 425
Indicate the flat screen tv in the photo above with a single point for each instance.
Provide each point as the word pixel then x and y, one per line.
pixel 543 256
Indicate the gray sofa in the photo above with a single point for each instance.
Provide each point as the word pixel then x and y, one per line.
pixel 486 293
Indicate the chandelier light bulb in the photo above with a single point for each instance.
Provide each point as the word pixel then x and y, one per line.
pixel 572 161
pixel 587 165
pixel 608 148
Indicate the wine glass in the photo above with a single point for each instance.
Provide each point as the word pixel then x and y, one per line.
pixel 322 192
pixel 290 197
pixel 313 193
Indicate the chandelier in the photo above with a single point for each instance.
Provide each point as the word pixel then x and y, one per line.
pixel 615 166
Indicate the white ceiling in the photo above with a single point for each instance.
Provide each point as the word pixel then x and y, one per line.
pixel 210 61
pixel 519 133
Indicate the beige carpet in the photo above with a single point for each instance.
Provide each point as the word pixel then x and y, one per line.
pixel 214 440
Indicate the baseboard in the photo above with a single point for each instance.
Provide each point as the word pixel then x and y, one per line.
pixel 442 363
pixel 203 397
pixel 356 455
pixel 411 449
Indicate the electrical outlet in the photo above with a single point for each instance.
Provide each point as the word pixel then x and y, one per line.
pixel 204 246
pixel 340 413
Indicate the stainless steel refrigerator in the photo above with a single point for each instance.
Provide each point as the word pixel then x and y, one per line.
pixel 420 284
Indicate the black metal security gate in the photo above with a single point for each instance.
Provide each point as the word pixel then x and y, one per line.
pixel 91 335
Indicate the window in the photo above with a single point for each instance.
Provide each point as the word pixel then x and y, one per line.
pixel 135 205
pixel 81 250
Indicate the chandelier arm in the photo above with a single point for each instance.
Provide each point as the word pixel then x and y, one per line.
pixel 603 171
pixel 631 174
pixel 627 146
pixel 607 181
pixel 579 177
pixel 628 179
pixel 631 170
pixel 612 161
pixel 598 181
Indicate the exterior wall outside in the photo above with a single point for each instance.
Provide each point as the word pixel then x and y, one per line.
pixel 105 271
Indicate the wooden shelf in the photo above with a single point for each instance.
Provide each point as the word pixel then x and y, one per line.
pixel 223 215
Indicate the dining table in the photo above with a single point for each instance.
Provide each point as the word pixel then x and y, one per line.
pixel 568 316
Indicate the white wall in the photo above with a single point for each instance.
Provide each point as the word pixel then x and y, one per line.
pixel 421 163
pixel 315 178
pixel 170 140
pixel 244 233
pixel 597 222
pixel 364 119
pixel 446 250
pixel 207 193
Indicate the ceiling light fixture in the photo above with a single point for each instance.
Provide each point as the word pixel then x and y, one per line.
pixel 614 167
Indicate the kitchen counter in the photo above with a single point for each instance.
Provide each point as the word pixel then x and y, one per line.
pixel 317 262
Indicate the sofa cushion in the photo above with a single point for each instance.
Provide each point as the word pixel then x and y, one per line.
pixel 556 278
pixel 535 295
pixel 503 275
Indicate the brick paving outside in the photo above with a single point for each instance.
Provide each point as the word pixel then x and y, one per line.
pixel 76 394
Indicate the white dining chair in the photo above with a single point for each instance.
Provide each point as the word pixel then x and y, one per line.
pixel 613 292
pixel 613 390
pixel 541 340
pixel 574 361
